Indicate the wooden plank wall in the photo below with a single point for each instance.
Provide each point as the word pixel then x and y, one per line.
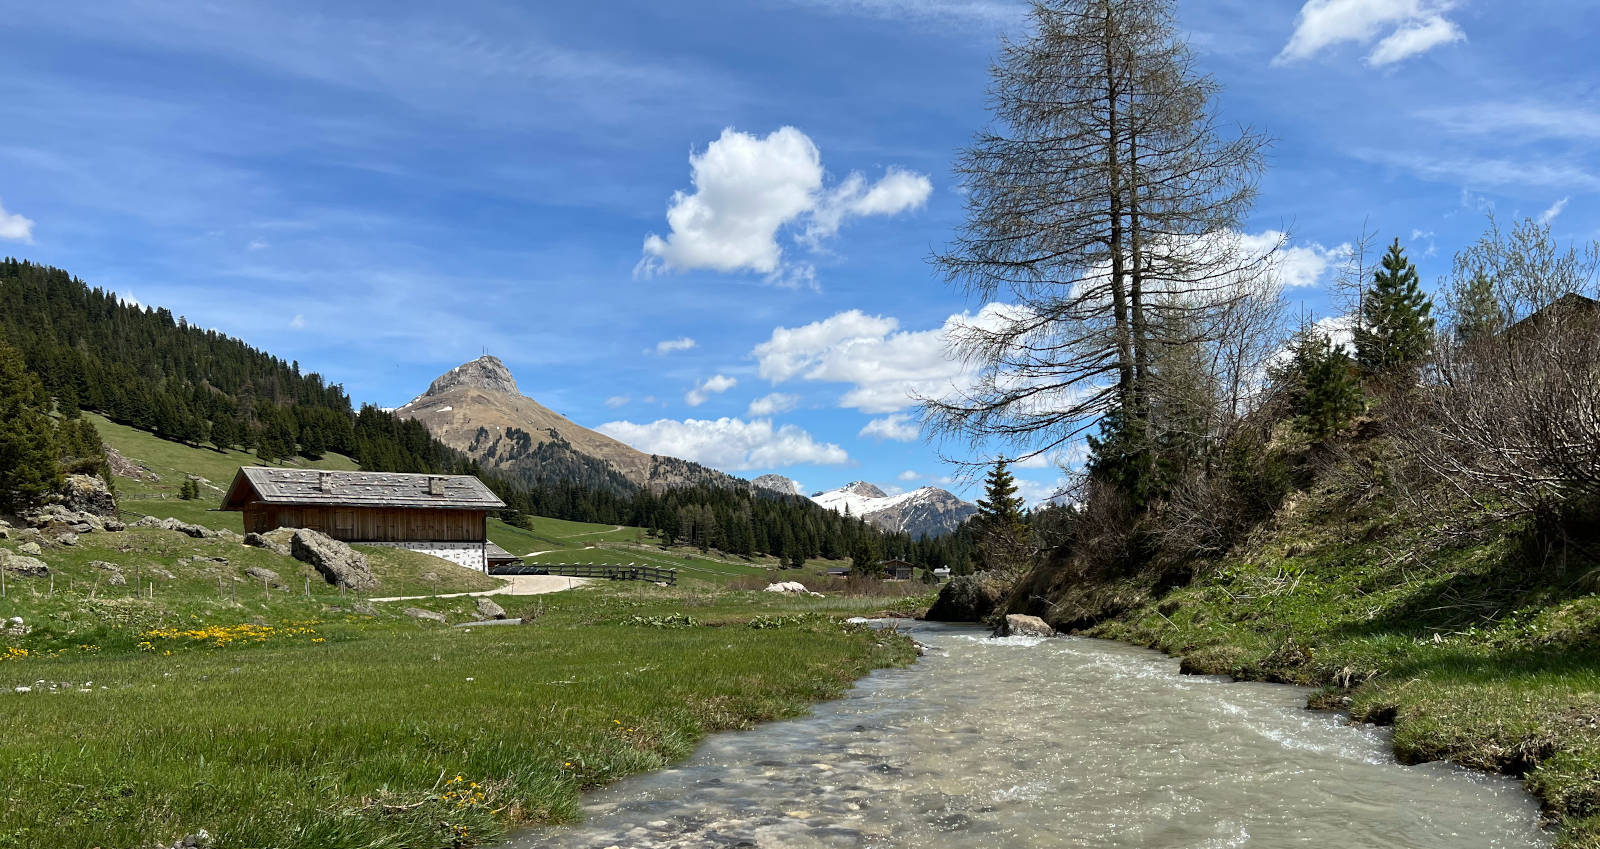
pixel 371 524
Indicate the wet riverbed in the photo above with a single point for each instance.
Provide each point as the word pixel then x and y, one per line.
pixel 1053 743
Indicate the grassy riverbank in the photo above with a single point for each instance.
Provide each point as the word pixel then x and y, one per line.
pixel 349 730
pixel 1477 648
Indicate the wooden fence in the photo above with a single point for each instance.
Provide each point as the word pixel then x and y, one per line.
pixel 609 571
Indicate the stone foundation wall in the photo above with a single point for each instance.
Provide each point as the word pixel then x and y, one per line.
pixel 468 554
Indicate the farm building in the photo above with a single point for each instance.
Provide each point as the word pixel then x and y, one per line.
pixel 896 569
pixel 442 515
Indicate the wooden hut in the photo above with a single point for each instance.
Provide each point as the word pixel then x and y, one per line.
pixel 896 569
pixel 442 515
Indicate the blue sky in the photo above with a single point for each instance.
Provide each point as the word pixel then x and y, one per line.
pixel 384 190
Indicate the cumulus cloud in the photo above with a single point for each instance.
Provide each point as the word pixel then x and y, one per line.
pixel 616 401
pixel 777 402
pixel 708 387
pixel 1400 28
pixel 908 475
pixel 1294 266
pixel 728 443
pixel 667 346
pixel 747 189
pixel 888 367
pixel 14 227
pixel 898 427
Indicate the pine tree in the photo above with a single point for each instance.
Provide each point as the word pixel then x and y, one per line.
pixel 1000 506
pixel 1323 391
pixel 1477 310
pixel 28 450
pixel 1396 330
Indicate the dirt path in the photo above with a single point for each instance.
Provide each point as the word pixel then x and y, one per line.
pixel 515 585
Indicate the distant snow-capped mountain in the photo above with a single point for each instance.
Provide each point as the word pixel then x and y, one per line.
pixel 928 511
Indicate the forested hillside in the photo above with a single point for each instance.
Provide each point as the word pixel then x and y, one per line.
pixel 83 348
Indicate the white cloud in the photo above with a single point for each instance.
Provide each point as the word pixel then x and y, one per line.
pixel 1401 28
pixel 14 227
pixel 128 300
pixel 897 192
pixel 1295 266
pixel 1555 209
pixel 298 322
pixel 747 189
pixel 708 387
pixel 1527 121
pixel 908 475
pixel 1524 172
pixel 777 402
pixel 667 346
pixel 898 427
pixel 887 367
pixel 257 245
pixel 729 443
pixel 616 401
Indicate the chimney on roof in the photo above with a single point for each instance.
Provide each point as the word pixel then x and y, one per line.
pixel 325 482
pixel 435 485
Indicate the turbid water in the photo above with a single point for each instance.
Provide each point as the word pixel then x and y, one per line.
pixel 1065 742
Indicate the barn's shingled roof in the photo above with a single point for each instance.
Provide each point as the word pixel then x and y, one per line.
pixel 356 489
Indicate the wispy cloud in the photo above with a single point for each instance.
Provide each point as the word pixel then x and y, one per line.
pixel 1517 121
pixel 1555 209
pixel 1488 171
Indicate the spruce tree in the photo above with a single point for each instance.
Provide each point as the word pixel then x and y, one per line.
pixel 1477 310
pixel 1396 330
pixel 1323 391
pixel 1000 506
pixel 28 451
pixel 1002 534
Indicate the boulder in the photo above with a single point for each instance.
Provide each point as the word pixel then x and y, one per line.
pixel 31 548
pixel 26 567
pixel 67 538
pixel 339 564
pixel 258 541
pixel 114 574
pixel 15 627
pixel 792 587
pixel 114 526
pixel 1022 625
pixel 489 610
pixel 88 494
pixel 419 613
pixel 261 574
pixel 966 598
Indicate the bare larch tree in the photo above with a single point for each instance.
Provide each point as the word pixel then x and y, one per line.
pixel 1103 204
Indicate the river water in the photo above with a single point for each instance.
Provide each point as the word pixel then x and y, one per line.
pixel 1068 742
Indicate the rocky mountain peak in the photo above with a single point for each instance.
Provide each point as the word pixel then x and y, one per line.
pixel 778 483
pixel 486 373
pixel 864 489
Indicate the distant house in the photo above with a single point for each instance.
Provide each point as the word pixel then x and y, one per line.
pixel 1569 308
pixel 896 569
pixel 497 557
pixel 442 515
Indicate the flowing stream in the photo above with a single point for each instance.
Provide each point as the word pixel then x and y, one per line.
pixel 1067 742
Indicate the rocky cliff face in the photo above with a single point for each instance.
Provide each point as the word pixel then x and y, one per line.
pixel 486 373
pixel 778 484
pixel 927 511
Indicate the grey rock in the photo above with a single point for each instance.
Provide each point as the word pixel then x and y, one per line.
pixel 1022 625
pixel 83 528
pixel 338 563
pixel 261 574
pixel 170 524
pixel 114 526
pixel 966 598
pixel 15 627
pixel 419 613
pixel 114 574
pixel 255 540
pixel 68 538
pixel 489 610
pixel 88 494
pixel 30 548
pixel 122 467
pixel 27 567
pixel 199 840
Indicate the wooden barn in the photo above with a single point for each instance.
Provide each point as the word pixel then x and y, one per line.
pixel 896 569
pixel 442 515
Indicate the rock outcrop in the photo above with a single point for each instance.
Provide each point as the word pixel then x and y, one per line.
pixel 122 467
pixel 23 565
pixel 196 531
pixel 88 494
pixel 339 564
pixel 778 484
pixel 262 574
pixel 1023 625
pixel 419 613
pixel 966 598
pixel 256 540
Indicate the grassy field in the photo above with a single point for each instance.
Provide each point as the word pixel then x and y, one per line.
pixel 172 462
pixel 1475 651
pixel 347 731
